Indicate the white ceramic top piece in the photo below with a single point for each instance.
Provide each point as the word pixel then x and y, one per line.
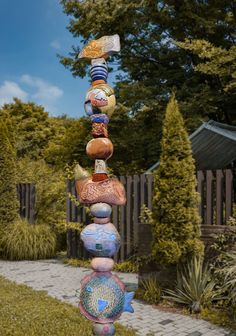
pixel 101 48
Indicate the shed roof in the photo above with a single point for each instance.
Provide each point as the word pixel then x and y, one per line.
pixel 213 145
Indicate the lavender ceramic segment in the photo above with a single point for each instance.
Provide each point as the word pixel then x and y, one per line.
pixel 101 240
pixel 101 210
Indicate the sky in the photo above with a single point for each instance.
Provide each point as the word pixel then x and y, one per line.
pixel 32 33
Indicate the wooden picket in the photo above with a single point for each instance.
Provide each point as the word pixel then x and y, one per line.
pixel 26 197
pixel 215 208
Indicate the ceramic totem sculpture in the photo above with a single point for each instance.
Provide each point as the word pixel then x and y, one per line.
pixel 102 296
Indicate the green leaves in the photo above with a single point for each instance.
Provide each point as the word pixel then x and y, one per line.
pixel 23 241
pixel 194 287
pixel 176 220
pixel 217 61
pixel 8 194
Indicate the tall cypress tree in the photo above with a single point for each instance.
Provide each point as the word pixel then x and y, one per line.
pixel 176 222
pixel 8 194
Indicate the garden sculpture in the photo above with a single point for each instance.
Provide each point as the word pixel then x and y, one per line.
pixel 102 295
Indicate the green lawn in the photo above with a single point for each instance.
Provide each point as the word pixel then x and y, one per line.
pixel 25 312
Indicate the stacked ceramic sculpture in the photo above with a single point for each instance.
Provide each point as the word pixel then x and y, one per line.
pixel 102 296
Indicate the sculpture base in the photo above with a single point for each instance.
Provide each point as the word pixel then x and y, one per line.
pixel 103 329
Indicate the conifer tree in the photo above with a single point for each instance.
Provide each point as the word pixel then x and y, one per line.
pixel 8 194
pixel 176 222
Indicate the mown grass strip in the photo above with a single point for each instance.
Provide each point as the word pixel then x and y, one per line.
pixel 25 312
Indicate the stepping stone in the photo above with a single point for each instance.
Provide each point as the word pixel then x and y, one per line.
pixel 68 297
pixel 165 322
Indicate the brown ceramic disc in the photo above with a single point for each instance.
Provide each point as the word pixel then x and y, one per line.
pixel 99 148
pixel 99 177
pixel 99 130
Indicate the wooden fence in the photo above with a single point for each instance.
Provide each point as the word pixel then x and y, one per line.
pixel 26 197
pixel 215 188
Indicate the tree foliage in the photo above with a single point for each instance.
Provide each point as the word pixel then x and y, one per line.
pixel 150 63
pixel 217 61
pixel 8 194
pixel 176 228
pixel 31 126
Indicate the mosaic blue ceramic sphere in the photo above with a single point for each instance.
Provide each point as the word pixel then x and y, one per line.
pixel 102 297
pixel 101 240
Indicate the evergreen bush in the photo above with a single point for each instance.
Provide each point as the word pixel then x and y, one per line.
pixel 176 222
pixel 23 241
pixel 8 194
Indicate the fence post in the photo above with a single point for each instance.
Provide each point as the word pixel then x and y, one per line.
pixel 219 197
pixel 228 194
pixel 209 197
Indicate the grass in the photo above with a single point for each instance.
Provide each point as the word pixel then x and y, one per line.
pixel 25 312
pixel 23 241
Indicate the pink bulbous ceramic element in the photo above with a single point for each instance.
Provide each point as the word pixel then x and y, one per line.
pixel 101 220
pixel 104 329
pixel 102 264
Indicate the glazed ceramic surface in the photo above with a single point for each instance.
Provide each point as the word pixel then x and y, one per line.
pixel 102 264
pixel 100 99
pixel 101 240
pixel 101 210
pixel 109 191
pixel 102 297
pixel 99 118
pixel 104 329
pixel 99 148
pixel 103 47
pixel 99 130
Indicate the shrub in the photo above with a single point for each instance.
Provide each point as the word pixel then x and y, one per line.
pixel 8 195
pixel 127 266
pixel 194 287
pixel 229 273
pixel 22 241
pixel 51 195
pixel 151 290
pixel 176 222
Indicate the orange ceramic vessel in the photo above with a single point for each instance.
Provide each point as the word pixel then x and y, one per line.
pixel 99 148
